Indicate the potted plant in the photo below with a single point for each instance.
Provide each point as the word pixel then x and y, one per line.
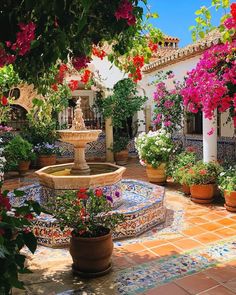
pixel 19 152
pixel 120 150
pixel 154 149
pixel 181 164
pixel 202 178
pixel 227 181
pixel 46 154
pixel 86 212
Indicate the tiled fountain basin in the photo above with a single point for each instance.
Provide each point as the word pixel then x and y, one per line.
pixel 142 206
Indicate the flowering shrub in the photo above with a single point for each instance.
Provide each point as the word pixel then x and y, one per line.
pixel 227 179
pixel 181 164
pixel 15 233
pixel 154 148
pixel 203 173
pixel 168 111
pixel 46 148
pixel 87 212
pixel 212 85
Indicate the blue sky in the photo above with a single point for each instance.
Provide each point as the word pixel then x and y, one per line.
pixel 176 16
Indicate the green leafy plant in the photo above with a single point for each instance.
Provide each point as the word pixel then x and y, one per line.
pixel 203 173
pixel 119 144
pixel 19 149
pixel 15 233
pixel 227 179
pixel 46 148
pixel 86 212
pixel 154 148
pixel 181 164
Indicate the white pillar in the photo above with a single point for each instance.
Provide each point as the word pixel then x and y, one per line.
pixel 210 141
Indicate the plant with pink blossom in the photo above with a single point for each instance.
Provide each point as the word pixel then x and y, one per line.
pixel 168 111
pixel 212 84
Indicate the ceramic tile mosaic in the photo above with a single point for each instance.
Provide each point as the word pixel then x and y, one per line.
pixel 141 203
pixel 138 279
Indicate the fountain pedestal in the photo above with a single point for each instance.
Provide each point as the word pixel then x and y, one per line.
pixel 80 165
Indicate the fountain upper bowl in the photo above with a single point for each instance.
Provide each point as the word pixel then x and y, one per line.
pixel 75 136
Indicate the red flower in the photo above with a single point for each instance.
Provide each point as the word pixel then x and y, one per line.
pixel 203 172
pixel 82 194
pixel 191 171
pixel 138 61
pixel 86 76
pixel 233 10
pixel 125 11
pixel 153 46
pixel 5 203
pixel 98 52
pixel 73 85
pixel 4 100
pixel 98 192
pixel 54 87
pixel 29 216
pixel 80 62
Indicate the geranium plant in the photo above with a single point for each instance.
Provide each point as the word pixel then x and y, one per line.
pixel 203 173
pixel 86 212
pixel 154 148
pixel 227 179
pixel 168 110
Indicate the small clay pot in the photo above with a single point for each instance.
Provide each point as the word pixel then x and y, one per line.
pixel 23 167
pixel 121 157
pixel 156 175
pixel 46 160
pixel 230 201
pixel 91 256
pixel 202 193
pixel 186 189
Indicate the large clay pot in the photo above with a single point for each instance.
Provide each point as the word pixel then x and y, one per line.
pixel 91 256
pixel 156 175
pixel 186 189
pixel 121 157
pixel 202 193
pixel 23 167
pixel 46 160
pixel 230 201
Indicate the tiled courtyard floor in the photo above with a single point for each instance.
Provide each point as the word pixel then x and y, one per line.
pixel 194 252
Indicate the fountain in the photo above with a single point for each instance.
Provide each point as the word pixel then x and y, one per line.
pixel 141 203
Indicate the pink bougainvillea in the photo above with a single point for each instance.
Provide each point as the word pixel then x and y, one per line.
pixel 212 84
pixel 125 11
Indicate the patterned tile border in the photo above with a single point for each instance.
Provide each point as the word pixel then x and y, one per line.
pixel 139 279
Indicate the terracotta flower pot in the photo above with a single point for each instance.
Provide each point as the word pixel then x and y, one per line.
pixel 230 201
pixel 121 157
pixel 91 256
pixel 46 160
pixel 23 167
pixel 156 175
pixel 202 193
pixel 186 189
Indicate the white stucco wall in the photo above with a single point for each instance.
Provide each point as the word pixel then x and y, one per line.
pixel 180 70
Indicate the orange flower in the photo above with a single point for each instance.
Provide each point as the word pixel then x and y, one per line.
pixel 203 172
pixel 191 171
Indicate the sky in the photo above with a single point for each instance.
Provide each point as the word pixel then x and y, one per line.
pixel 176 16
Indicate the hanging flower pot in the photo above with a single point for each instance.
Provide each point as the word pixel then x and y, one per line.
pixel 202 193
pixel 92 256
pixel 156 175
pixel 230 200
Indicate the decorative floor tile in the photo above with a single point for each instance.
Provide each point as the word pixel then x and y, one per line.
pixel 138 279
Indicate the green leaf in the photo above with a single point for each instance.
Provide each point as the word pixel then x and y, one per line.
pixel 30 241
pixel 20 260
pixel 19 193
pixel 37 208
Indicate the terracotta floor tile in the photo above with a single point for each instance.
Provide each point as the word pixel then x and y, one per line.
pixel 154 243
pixel 207 238
pixel 233 217
pixel 187 244
pixel 231 263
pixel 196 283
pixel 132 248
pixel 143 256
pixel 231 285
pixel 226 232
pixel 211 226
pixel 222 273
pixel 168 289
pixel 212 216
pixel 121 262
pixel 219 290
pixel 166 250
pixel 197 220
pixel 233 227
pixel 193 231
pixel 226 221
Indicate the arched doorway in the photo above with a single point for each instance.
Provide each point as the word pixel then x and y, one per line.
pixel 17 117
